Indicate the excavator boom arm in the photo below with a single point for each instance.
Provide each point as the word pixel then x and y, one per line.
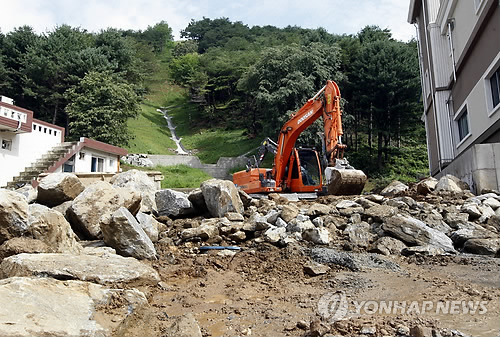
pixel 325 103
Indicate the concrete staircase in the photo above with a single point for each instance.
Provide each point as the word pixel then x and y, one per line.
pixel 41 165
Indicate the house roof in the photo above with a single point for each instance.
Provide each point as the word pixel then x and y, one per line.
pixel 97 145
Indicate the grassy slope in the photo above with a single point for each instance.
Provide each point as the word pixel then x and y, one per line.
pixel 152 136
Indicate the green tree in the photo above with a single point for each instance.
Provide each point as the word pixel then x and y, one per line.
pixel 283 79
pixel 100 105
pixel 158 36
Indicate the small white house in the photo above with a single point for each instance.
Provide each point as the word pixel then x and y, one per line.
pixel 30 146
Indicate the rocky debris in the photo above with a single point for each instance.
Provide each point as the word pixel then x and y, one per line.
pixel 482 246
pixel 387 245
pixel 173 203
pixel 122 232
pixel 138 159
pixel 289 212
pixel 48 307
pixel 103 269
pixel 22 244
pixel 29 192
pixel 394 188
pixel 414 232
pixel 13 215
pixel 275 234
pixel 51 227
pixel 208 230
pixel 57 188
pixel 221 196
pixel 99 198
pixel 138 181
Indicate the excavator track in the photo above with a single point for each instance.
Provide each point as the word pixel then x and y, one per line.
pixel 345 181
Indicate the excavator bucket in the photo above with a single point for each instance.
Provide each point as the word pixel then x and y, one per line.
pixel 344 181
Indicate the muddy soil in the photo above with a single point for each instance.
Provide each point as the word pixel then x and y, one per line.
pixel 264 291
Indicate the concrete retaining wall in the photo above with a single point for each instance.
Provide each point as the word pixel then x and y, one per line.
pixel 479 166
pixel 219 170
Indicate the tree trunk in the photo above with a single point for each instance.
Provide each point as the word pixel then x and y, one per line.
pixel 379 150
pixel 370 130
pixel 54 117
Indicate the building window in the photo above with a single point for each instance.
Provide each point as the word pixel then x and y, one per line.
pixel 97 164
pixel 111 163
pixel 463 125
pixel 6 144
pixel 495 87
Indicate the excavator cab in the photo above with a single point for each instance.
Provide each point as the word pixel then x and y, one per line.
pixel 305 175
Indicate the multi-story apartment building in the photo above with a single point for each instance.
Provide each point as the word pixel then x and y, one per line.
pixel 459 52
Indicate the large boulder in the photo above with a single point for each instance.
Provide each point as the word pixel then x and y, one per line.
pixel 122 232
pixel 99 198
pixel 387 245
pixel 206 231
pixel 13 215
pixel 450 183
pixel 48 307
pixel 360 234
pixel 380 212
pixel 427 186
pixel 138 181
pixel 394 188
pixel 29 192
pixel 52 228
pixel 460 236
pixel 319 236
pixel 23 244
pixel 57 188
pixel 221 196
pixel 173 203
pixel 105 268
pixel 416 233
pixel 482 246
pixel 289 212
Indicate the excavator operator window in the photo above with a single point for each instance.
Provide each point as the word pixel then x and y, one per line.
pixel 309 167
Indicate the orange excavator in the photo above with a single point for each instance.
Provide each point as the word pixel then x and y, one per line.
pixel 299 169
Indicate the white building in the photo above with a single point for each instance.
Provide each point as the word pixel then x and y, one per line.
pixel 30 146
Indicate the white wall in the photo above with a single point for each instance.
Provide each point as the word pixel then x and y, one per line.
pixel 26 149
pixel 83 163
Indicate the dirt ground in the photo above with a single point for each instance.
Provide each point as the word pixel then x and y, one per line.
pixel 263 291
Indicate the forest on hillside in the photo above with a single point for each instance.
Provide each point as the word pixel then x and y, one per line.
pixel 238 76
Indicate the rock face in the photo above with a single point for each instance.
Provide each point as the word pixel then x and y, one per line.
pixel 13 215
pixel 387 245
pixel 173 203
pixel 29 192
pixel 106 268
pixel 122 232
pixel 47 307
pixel 57 188
pixel 415 232
pixel 221 196
pixel 138 181
pixel 52 228
pixel 99 198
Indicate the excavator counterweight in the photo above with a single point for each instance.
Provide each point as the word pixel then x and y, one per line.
pixel 297 169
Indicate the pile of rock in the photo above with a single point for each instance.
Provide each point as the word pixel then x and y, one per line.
pixel 138 159
pixel 95 236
